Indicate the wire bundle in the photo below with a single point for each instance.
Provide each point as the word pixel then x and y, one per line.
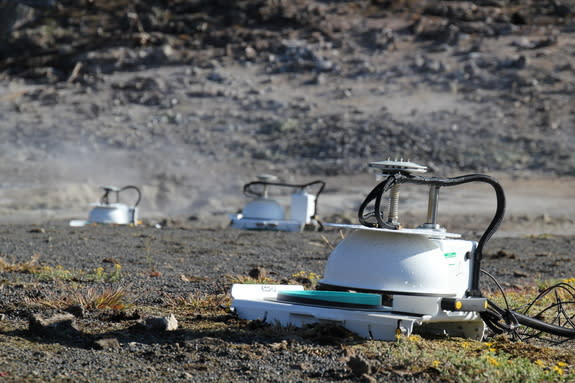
pixel 552 321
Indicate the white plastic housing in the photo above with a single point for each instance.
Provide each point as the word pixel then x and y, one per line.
pixel 302 207
pixel 398 262
pixel 263 208
pixel 115 213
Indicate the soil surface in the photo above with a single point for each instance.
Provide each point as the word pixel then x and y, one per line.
pixel 190 99
pixel 188 272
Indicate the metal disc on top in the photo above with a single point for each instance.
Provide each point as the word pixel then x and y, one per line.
pixel 390 167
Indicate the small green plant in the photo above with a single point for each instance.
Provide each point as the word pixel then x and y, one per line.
pixel 100 274
pixel 49 273
pixel 59 273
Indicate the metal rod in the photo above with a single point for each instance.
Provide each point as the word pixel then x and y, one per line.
pixel 393 216
pixel 432 204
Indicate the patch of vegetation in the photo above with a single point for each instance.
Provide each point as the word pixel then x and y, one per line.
pixel 199 303
pixel 91 299
pixel 100 275
pixel 59 273
pixel 29 267
pixel 460 360
pixel 406 358
pixel 49 273
pixel 114 299
pixel 412 357
pixel 246 279
pixel 308 279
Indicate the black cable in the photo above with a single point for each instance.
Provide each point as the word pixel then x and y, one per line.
pixel 507 320
pixel 551 328
pixel 376 195
pixel 543 293
pixel 248 192
pixel 500 321
pixel 139 193
pixel 544 326
pixel 499 287
pixel 497 319
pixel 105 199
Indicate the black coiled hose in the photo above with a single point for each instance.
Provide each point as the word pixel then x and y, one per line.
pixel 105 199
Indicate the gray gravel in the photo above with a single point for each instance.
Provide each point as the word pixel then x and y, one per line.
pixel 161 265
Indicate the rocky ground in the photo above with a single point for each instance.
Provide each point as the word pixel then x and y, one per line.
pixel 190 99
pixel 109 334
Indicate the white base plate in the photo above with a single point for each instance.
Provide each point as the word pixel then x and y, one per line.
pixel 257 302
pixel 263 224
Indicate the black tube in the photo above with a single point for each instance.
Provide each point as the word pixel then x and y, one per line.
pixel 376 195
pixel 137 191
pixel 544 326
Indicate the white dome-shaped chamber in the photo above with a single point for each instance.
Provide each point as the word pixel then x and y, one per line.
pixel 263 208
pixel 397 262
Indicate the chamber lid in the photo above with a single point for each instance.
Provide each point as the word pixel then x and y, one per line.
pixel 429 233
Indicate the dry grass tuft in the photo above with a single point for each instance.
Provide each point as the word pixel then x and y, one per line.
pixel 200 303
pixel 29 267
pixel 90 299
